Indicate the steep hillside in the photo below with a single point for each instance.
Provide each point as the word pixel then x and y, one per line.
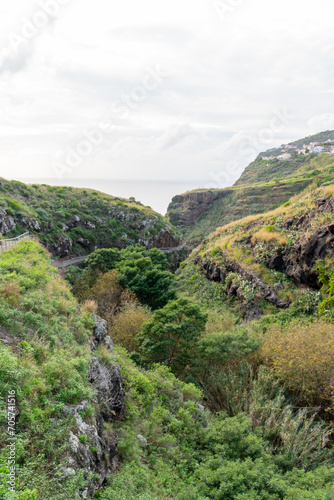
pixel 264 185
pixel 81 419
pixel 298 166
pixel 56 392
pixel 69 220
pixel 197 218
pixel 268 261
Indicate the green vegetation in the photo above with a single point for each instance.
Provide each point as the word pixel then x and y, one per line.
pixel 87 218
pixel 263 186
pixel 171 335
pixel 45 360
pixel 296 168
pixel 227 364
pixel 144 273
pixel 192 454
pixel 250 443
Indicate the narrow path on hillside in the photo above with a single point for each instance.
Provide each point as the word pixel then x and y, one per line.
pixel 62 263
pixel 6 244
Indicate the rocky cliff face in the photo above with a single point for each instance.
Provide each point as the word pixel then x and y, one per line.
pixel 299 262
pixel 185 209
pixel 236 288
pixel 199 213
pixel 93 444
pixel 290 241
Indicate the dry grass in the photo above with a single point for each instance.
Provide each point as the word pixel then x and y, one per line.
pixel 89 306
pixel 328 190
pixel 268 237
pixel 11 292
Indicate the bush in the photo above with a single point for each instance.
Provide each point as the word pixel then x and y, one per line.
pixel 171 336
pixel 302 356
pixel 127 324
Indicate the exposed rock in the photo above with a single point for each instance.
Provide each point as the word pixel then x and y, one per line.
pixel 164 239
pixel 278 287
pixel 83 242
pixel 216 273
pixel 300 263
pixel 31 223
pixel 142 441
pixel 253 312
pixel 101 328
pixel 7 223
pixel 90 226
pixel 201 408
pixel 276 260
pixel 109 343
pixel 92 447
pixel 107 380
pixel 62 247
pixel 185 209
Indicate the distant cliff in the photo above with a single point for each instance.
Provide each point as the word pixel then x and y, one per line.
pixel 199 213
pixel 264 185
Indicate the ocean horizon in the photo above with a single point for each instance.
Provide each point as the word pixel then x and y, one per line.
pixel 154 193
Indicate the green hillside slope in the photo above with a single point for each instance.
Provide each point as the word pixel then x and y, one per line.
pixel 69 220
pixel 264 185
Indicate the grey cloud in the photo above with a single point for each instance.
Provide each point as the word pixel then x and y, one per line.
pixel 175 135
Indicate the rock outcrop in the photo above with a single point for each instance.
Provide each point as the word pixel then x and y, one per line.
pixel 93 444
pixel 7 222
pixel 299 262
pixel 235 288
pixel 185 209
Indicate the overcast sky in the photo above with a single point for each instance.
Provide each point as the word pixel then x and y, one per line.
pixel 184 90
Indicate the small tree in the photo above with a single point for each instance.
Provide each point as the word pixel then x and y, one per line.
pixel 150 283
pixel 127 324
pixel 108 294
pixel 103 260
pixel 170 337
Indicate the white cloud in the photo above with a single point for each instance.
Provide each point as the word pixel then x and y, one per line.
pixel 226 77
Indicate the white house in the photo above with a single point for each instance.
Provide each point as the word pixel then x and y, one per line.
pixel 284 156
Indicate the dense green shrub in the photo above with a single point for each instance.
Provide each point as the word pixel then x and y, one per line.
pixel 170 337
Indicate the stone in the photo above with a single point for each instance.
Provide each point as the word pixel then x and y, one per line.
pixel 96 453
pixel 62 247
pixel 31 223
pixel 321 201
pixel 278 287
pixel 83 242
pixel 68 471
pixel 108 382
pixel 200 407
pixel 110 344
pixel 254 312
pixel 7 223
pixel 100 329
pixel 142 441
